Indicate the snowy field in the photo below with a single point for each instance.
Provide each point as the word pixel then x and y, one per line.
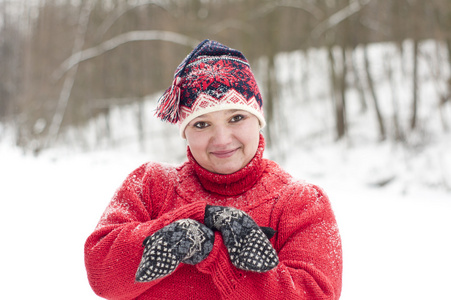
pixel 396 242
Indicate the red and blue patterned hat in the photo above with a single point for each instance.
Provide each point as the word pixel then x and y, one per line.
pixel 212 77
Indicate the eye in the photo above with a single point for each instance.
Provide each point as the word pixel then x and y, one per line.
pixel 237 118
pixel 201 125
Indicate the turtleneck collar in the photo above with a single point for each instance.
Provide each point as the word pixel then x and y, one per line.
pixel 235 183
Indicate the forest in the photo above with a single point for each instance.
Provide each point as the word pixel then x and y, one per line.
pixel 64 63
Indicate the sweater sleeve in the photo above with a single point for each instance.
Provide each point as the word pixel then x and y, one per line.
pixel 113 251
pixel 309 249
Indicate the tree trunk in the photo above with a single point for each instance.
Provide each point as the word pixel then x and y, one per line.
pixel 269 101
pixel 337 96
pixel 377 110
pixel 359 84
pixel 66 90
pixel 413 120
pixel 140 125
pixel 394 98
pixel 271 83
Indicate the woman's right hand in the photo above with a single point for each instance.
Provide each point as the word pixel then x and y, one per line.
pixel 185 240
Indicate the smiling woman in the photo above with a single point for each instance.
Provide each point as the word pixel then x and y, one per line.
pixel 227 223
pixel 224 141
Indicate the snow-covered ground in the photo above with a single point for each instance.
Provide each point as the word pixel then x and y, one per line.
pixel 396 241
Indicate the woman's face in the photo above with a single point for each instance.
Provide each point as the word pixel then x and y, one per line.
pixel 225 141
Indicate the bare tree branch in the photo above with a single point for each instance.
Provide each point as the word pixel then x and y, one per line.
pixel 131 36
pixel 304 5
pixel 300 4
pixel 339 17
pixel 66 90
pixel 113 17
pixel 230 23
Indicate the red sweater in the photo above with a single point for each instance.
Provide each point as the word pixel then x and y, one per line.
pixel 155 195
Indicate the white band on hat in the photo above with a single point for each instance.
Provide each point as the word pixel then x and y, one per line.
pixel 231 100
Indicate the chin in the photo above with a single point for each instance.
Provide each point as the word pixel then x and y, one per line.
pixel 226 170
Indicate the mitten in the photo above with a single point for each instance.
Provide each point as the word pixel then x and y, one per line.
pixel 248 246
pixel 186 241
pixel 268 231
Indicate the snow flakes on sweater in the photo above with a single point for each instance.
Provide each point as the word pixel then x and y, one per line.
pixel 307 239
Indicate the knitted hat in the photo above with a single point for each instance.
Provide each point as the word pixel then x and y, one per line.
pixel 212 77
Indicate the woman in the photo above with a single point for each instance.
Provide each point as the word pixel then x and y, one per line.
pixel 226 224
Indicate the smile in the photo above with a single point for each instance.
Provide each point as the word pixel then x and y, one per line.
pixel 224 154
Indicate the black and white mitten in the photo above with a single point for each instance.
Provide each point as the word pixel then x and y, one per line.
pixel 186 241
pixel 248 246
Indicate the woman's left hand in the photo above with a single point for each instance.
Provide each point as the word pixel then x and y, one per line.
pixel 248 246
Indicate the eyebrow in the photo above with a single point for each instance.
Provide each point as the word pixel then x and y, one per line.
pixel 229 111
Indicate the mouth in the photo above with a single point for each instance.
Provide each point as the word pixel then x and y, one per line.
pixel 224 153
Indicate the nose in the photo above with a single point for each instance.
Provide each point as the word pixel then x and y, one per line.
pixel 222 136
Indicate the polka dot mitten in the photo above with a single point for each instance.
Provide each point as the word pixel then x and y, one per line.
pixel 186 241
pixel 248 245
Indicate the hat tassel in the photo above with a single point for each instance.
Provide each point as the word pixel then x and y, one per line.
pixel 168 104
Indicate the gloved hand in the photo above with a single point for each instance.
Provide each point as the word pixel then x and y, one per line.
pixel 185 240
pixel 248 246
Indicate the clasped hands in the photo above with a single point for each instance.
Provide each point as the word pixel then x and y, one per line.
pixel 190 242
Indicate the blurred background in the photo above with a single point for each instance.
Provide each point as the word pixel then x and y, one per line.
pixel 66 63
pixel 356 96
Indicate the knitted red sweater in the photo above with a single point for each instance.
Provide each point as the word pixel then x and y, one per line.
pixel 155 195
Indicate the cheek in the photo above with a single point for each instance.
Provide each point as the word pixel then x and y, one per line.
pixel 255 142
pixel 197 143
pixel 251 137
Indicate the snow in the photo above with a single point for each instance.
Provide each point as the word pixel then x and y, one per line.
pixel 49 207
pixel 396 244
pixel 392 201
